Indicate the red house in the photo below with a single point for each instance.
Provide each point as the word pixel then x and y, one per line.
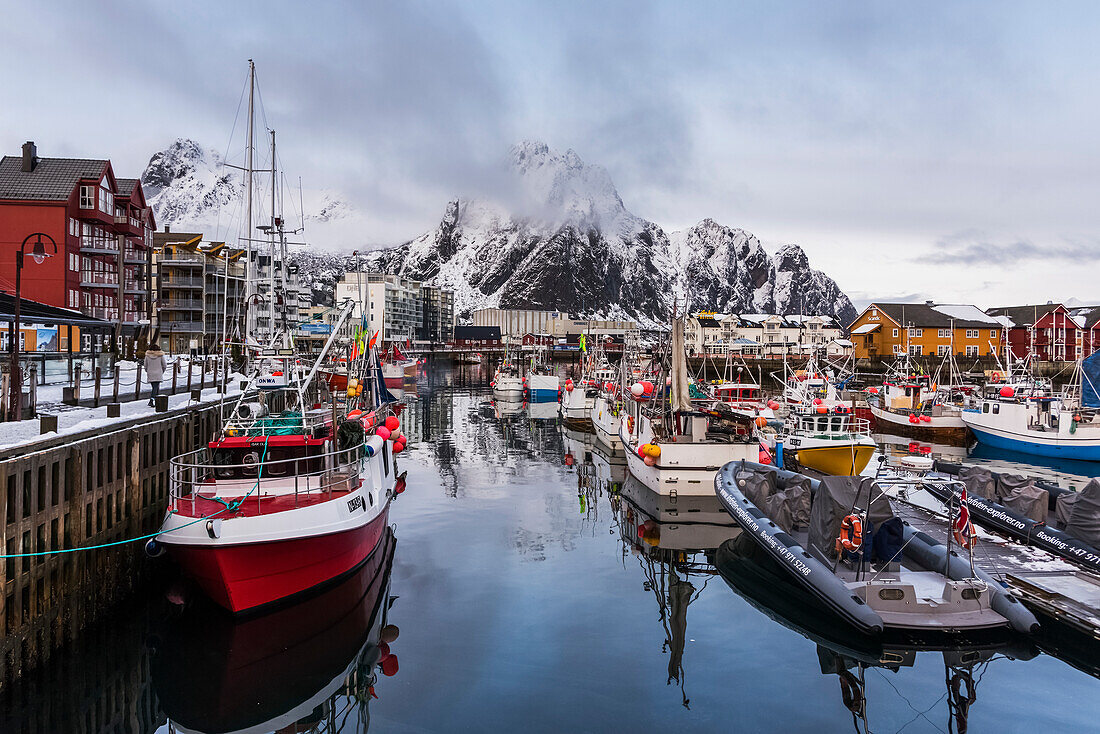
pixel 1088 317
pixel 1050 332
pixel 530 339
pixel 102 226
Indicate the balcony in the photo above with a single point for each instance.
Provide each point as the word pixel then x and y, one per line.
pixel 180 282
pixel 127 225
pixel 181 304
pixel 171 327
pixel 98 312
pixel 134 255
pixel 182 260
pixel 98 279
pixel 134 286
pixel 98 247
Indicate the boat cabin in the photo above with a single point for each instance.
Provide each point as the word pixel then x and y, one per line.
pixel 267 457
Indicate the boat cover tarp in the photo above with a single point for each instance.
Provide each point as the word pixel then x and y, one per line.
pixel 978 481
pixel 1084 523
pixel 756 486
pixel 1064 510
pixel 793 500
pixel 1090 381
pixel 837 497
pixel 1024 498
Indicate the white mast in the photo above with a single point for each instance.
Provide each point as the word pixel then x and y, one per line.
pixel 271 274
pixel 250 268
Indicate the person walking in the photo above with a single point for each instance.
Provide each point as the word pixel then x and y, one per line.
pixel 155 365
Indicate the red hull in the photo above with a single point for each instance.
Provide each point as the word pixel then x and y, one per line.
pixel 243 577
pixel 335 380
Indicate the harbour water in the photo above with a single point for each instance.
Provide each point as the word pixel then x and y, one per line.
pixel 530 587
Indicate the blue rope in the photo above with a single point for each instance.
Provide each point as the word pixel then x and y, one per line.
pixel 228 507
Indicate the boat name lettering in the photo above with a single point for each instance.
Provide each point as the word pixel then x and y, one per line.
pixel 355 503
pixel 997 514
pixel 748 522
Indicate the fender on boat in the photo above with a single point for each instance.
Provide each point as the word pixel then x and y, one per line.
pixel 813 575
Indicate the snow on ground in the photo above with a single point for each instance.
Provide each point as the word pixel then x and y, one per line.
pixel 76 420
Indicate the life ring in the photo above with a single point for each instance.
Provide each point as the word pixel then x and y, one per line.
pixel 995 377
pixel 851 534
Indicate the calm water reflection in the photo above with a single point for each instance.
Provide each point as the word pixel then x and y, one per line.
pixel 538 588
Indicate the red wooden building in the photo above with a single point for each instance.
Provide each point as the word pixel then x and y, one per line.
pixel 103 229
pixel 1049 332
pixel 1089 319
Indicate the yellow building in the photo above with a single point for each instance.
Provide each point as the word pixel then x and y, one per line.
pixel 925 329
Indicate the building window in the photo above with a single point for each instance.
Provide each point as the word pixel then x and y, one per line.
pixel 971 350
pixel 992 333
pixel 897 348
pixel 914 350
pixel 87 197
pixel 971 333
pixel 916 332
pixel 942 349
pixel 106 198
pixel 895 333
pixel 944 333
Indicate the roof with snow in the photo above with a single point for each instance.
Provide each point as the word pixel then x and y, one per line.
pixel 1087 316
pixel 937 315
pixel 1024 315
pixel 53 179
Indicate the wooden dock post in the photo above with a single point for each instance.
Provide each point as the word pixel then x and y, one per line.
pixel 190 365
pixel 98 381
pixel 175 375
pixel 118 372
pixel 137 382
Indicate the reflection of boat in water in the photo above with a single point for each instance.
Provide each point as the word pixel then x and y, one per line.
pixel 542 411
pixel 844 652
pixel 686 524
pixel 577 444
pixel 671 538
pixel 609 467
pixel 283 671
pixel 507 408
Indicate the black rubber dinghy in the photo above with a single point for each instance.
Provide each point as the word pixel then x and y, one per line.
pixel 819 579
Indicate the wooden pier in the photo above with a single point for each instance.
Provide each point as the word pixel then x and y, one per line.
pixel 77 490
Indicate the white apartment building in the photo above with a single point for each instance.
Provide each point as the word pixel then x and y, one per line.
pixel 514 323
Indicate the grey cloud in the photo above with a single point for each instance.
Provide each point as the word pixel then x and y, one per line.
pixel 977 248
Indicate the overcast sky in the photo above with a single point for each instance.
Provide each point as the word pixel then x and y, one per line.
pixel 949 151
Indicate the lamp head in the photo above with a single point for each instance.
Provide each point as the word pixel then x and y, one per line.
pixel 39 252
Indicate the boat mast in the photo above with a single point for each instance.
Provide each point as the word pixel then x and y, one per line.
pixel 272 232
pixel 250 266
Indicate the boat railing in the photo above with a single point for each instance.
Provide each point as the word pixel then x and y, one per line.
pixel 195 477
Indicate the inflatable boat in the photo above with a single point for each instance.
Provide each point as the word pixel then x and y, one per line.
pixel 839 538
pixel 1030 511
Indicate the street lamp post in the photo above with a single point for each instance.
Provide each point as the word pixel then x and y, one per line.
pixel 15 382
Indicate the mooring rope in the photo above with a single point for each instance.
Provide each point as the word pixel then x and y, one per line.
pixel 229 506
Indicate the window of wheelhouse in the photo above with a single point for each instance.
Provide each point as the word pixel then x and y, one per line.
pixel 386 458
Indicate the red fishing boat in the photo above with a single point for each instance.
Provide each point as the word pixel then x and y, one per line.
pixel 293 493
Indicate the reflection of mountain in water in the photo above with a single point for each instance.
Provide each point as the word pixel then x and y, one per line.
pixel 844 652
pixel 299 668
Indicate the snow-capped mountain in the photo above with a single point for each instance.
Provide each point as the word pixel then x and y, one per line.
pixel 190 188
pixel 562 239
pixel 568 243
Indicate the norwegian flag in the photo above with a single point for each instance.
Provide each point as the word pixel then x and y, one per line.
pixel 964 530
